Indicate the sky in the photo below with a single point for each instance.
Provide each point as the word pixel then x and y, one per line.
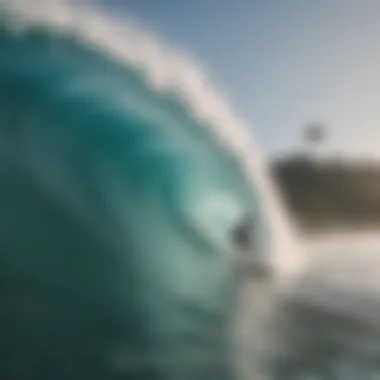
pixel 284 63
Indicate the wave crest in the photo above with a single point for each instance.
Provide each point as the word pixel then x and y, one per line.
pixel 166 70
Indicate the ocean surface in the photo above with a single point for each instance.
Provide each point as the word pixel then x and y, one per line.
pixel 325 293
pixel 329 321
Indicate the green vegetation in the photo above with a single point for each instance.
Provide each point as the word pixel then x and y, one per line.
pixel 330 194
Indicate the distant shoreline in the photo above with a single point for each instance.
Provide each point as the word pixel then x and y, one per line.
pixel 327 196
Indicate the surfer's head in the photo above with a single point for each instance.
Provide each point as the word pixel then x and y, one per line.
pixel 118 212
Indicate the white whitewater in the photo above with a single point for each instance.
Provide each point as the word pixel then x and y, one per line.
pixel 342 274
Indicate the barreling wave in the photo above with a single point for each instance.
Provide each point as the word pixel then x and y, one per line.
pixel 172 76
pixel 100 121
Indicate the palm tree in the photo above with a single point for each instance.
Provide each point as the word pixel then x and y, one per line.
pixel 314 135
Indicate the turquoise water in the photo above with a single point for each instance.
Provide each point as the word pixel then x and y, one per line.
pixel 118 206
pixel 120 195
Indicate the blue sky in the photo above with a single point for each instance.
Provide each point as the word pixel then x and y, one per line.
pixel 284 63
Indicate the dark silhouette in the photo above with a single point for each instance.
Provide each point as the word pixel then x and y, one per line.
pixel 329 194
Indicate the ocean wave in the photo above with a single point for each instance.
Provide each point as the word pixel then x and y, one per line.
pixel 168 71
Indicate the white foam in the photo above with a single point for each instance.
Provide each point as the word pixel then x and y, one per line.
pixel 342 273
pixel 167 70
pixel 347 261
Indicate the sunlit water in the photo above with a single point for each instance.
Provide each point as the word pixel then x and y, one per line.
pixel 329 321
pixel 168 79
pixel 275 339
